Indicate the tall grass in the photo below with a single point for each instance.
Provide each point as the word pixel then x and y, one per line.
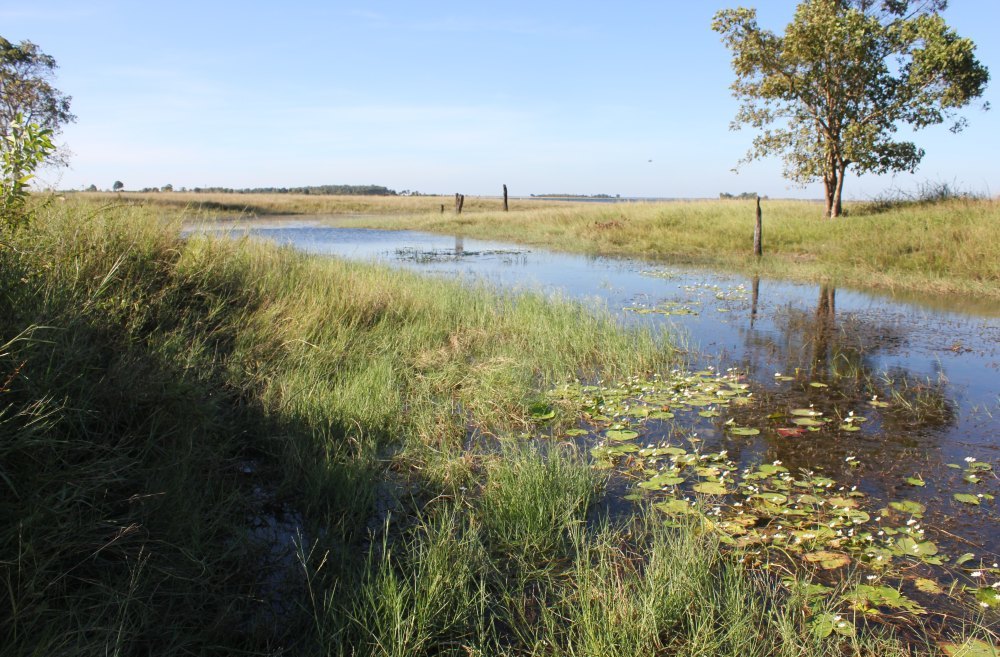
pixel 215 447
pixel 161 398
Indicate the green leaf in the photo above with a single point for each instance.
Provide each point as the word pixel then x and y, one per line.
pixel 825 624
pixel 711 488
pixel 827 560
pixel 988 596
pixel 909 506
pixel 621 434
pixel 914 481
pixel 965 558
pixel 911 547
pixel 928 586
pixel 971 648
pixel 965 498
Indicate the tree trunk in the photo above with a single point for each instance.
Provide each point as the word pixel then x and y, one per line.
pixel 838 194
pixel 830 189
pixel 505 198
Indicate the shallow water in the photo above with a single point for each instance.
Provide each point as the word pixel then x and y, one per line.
pixel 938 367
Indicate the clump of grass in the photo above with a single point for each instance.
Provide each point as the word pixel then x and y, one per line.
pixel 530 503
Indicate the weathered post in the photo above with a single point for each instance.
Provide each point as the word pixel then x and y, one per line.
pixel 442 208
pixel 505 198
pixel 461 202
pixel 458 208
pixel 758 249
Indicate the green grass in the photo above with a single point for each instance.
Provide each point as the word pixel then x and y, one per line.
pixel 163 402
pixel 215 205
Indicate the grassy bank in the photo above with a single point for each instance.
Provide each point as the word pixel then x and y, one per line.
pixel 215 447
pixel 940 248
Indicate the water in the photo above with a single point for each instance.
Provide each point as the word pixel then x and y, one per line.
pixel 936 362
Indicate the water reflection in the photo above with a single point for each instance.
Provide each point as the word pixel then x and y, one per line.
pixel 925 403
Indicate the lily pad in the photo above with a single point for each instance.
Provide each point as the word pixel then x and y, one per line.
pixel 621 434
pixel 807 422
pixel 909 506
pixel 913 548
pixel 658 482
pixel 966 498
pixel 971 648
pixel 826 624
pixel 867 598
pixel 711 488
pixel 773 498
pixel 744 431
pixel 541 412
pixel 928 586
pixel 915 481
pixel 576 432
pixel 676 508
pixel 827 560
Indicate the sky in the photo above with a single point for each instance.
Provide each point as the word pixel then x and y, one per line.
pixel 630 98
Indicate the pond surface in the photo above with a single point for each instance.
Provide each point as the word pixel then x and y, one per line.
pixel 923 379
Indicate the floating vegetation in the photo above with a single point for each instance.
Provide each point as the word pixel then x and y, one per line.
pixel 428 256
pixel 659 273
pixel 665 308
pixel 645 430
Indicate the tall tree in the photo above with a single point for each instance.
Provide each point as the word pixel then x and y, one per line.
pixel 832 92
pixel 26 89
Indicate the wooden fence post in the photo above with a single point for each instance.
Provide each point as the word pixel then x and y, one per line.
pixel 758 248
pixel 505 198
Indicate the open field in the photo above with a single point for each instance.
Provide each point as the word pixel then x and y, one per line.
pixel 219 447
pixel 942 248
pixel 216 204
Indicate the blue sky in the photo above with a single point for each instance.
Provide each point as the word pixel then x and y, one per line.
pixel 547 97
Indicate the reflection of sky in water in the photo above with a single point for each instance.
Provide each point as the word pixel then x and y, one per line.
pixel 957 353
pixel 892 334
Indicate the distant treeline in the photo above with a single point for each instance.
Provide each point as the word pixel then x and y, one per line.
pixel 325 190
pixel 575 196
pixel 743 196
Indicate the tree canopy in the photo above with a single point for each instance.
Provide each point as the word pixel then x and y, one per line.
pixel 833 91
pixel 26 89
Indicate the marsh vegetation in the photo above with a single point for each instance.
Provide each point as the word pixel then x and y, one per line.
pixel 216 445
